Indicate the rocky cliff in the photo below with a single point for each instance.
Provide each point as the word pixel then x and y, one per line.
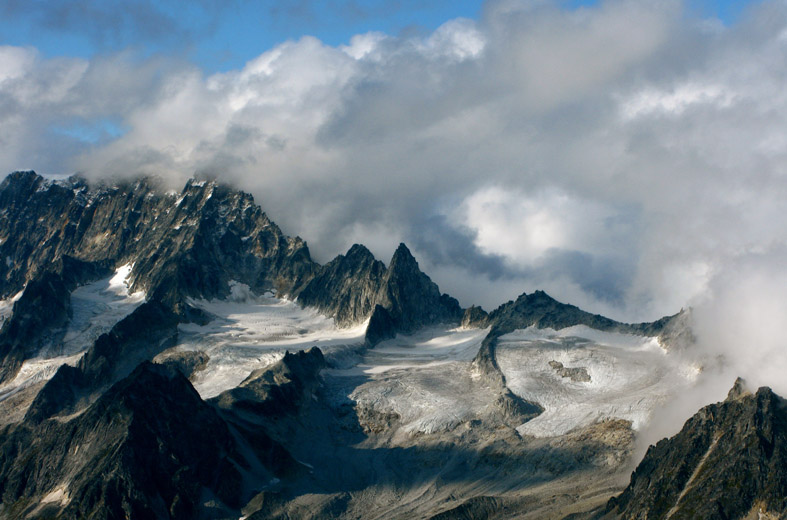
pixel 728 462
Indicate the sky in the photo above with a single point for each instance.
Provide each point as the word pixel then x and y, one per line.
pixel 624 156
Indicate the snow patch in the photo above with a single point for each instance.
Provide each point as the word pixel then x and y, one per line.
pixel 118 284
pixel 58 495
pixel 425 379
pixel 7 306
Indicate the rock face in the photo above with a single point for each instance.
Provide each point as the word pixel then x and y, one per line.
pixel 189 244
pixel 728 461
pixel 151 328
pixel 148 448
pixel 277 390
pixel 44 307
pixel 351 286
pixel 347 287
pixel 541 310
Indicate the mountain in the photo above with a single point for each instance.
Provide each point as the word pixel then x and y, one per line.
pixel 176 355
pixel 728 461
pixel 149 447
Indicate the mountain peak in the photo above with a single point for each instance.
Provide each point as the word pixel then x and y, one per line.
pixel 402 257
pixel 739 390
pixel 727 461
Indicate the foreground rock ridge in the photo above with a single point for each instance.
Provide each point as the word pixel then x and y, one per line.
pixel 728 461
pixel 158 360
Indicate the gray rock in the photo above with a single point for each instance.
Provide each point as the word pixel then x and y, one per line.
pixel 728 461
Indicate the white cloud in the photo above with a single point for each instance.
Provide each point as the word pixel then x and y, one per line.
pixel 619 156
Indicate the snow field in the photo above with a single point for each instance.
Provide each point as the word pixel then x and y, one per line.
pixel 250 332
pixel 425 379
pixel 630 376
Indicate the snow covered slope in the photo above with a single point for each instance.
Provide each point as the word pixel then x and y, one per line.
pixel 629 376
pixel 250 332
pixel 425 380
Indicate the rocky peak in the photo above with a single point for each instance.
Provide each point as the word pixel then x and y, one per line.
pixel 181 245
pixel 403 260
pixel 728 461
pixel 411 297
pixel 739 390
pixel 541 310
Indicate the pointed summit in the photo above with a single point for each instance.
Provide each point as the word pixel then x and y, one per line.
pixel 402 257
pixel 729 460
pixel 411 297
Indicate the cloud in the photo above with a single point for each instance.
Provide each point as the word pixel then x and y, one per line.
pixel 620 156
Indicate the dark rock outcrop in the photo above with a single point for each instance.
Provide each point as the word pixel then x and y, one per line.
pixel 148 448
pixel 347 287
pixel 351 287
pixel 43 308
pixel 189 244
pixel 277 390
pixel 728 461
pixel 381 326
pixel 412 298
pixel 475 317
pixel 150 329
pixel 542 311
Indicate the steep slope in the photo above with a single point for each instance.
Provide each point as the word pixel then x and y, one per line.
pixel 189 244
pixel 40 313
pixel 728 462
pixel 352 286
pixel 56 235
pixel 346 287
pixel 148 448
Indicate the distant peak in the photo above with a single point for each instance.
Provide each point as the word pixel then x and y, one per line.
pixel 739 389
pixel 358 250
pixel 402 256
pixel 537 295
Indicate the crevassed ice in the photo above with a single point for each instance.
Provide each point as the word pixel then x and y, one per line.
pixel 250 332
pixel 425 378
pixel 630 376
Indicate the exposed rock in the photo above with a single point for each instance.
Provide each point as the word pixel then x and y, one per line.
pixel 351 286
pixel 191 244
pixel 148 448
pixel 346 287
pixel 542 311
pixel 150 329
pixel 278 390
pixel 187 362
pixel 412 298
pixel 576 374
pixel 728 461
pixel 475 317
pixel 45 307
pixel 381 326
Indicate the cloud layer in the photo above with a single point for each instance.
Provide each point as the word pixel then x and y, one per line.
pixel 623 157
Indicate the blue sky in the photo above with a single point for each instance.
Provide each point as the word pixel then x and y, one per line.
pixel 220 36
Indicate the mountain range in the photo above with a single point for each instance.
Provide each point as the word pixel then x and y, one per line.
pixel 176 355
